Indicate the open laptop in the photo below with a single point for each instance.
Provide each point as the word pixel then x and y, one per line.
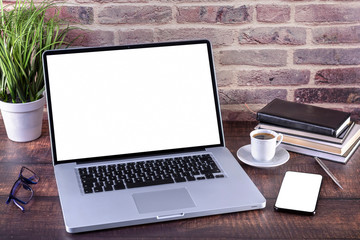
pixel 136 136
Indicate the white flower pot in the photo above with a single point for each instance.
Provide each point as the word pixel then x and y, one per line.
pixel 23 121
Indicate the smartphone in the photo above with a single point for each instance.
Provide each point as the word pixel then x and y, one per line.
pixel 299 193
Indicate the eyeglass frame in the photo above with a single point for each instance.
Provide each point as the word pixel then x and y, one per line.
pixel 25 181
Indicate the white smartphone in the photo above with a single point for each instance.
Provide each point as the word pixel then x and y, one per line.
pixel 299 193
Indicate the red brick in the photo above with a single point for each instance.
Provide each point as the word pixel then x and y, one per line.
pixel 327 56
pixel 83 15
pixel 214 14
pixel 135 14
pixel 240 96
pixel 268 57
pixel 327 95
pixel 136 36
pixel 225 78
pixel 216 36
pixel 327 13
pixel 338 76
pixel 88 38
pixel 277 35
pixel 284 77
pixel 273 13
pixel 239 113
pixel 197 14
pixel 72 14
pixel 334 35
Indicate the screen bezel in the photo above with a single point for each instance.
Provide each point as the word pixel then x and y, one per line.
pixel 124 47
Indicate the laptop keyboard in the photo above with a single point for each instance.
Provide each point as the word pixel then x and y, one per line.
pixel 148 173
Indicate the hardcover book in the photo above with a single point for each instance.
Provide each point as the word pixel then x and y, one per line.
pixel 328 156
pixel 304 117
pixel 289 131
pixel 323 146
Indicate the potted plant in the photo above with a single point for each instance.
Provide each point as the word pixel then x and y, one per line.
pixel 26 31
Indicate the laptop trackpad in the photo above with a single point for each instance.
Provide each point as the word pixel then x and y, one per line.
pixel 164 200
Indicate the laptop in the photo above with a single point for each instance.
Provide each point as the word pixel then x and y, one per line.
pixel 136 136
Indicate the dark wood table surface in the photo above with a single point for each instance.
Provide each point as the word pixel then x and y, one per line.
pixel 337 217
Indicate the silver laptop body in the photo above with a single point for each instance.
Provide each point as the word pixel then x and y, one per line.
pixel 126 105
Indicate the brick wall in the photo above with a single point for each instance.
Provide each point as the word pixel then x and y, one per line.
pixel 300 50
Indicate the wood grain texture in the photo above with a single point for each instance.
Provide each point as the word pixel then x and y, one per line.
pixel 337 216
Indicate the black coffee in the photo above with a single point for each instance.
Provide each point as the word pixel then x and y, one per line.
pixel 263 136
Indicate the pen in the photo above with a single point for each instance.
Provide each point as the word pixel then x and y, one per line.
pixel 326 169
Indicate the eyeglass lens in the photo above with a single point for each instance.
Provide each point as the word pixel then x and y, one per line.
pixel 22 192
pixel 28 175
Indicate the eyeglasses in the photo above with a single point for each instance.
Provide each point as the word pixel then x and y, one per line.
pixel 21 192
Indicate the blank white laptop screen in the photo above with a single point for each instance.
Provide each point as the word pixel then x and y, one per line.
pixel 136 100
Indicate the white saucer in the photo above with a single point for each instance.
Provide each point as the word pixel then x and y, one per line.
pixel 281 157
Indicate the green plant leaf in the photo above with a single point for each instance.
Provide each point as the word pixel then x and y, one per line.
pixel 26 32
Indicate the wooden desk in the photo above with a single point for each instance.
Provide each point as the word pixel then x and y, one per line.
pixel 338 211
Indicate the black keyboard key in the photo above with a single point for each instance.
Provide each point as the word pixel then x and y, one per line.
pixel 138 180
pixel 150 183
pixel 209 176
pixel 86 176
pixel 119 186
pixel 88 190
pixel 129 181
pixel 180 179
pixel 88 181
pixel 88 185
pixel 190 178
pixel 108 188
pixel 157 178
pixel 102 179
pixel 98 189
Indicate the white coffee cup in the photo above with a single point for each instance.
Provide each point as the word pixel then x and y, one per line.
pixel 264 143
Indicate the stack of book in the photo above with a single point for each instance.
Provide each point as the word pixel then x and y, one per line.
pixel 311 130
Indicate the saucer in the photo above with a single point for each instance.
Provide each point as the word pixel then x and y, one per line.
pixel 281 157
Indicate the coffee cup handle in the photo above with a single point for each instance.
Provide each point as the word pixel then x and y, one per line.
pixel 279 141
